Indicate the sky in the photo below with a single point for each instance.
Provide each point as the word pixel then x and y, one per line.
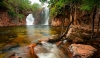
pixel 36 1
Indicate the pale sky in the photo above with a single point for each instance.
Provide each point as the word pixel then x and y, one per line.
pixel 36 1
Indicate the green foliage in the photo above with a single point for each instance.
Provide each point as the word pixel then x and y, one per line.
pixel 98 6
pixel 56 6
pixel 3 4
pixel 17 8
pixel 36 7
pixel 20 16
pixel 20 4
pixel 43 1
pixel 89 4
pixel 12 13
pixel 86 7
pixel 25 5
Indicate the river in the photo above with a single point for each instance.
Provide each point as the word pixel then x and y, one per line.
pixel 24 35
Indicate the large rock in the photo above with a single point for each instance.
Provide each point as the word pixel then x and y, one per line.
pixel 54 38
pixel 9 46
pixel 82 51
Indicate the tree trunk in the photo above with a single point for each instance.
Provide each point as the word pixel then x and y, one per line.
pixel 92 21
pixel 75 20
pixel 98 25
pixel 62 29
pixel 67 28
pixel 63 20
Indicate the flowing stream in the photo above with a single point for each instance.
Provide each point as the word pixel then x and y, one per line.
pixel 22 36
pixel 47 50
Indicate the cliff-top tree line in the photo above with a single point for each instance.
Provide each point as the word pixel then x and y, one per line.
pixel 17 9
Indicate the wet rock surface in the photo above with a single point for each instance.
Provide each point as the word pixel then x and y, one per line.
pixel 48 50
pixel 23 52
pixel 82 51
pixel 9 46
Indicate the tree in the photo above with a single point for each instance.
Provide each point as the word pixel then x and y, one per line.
pixel 91 5
pixel 35 8
pixel 19 6
pixel 58 9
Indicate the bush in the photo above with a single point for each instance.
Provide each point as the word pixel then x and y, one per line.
pixel 20 16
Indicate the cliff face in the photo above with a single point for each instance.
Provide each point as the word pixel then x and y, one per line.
pixel 39 18
pixel 58 22
pixel 5 19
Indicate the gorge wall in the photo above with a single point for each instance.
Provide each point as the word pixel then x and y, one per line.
pixel 6 20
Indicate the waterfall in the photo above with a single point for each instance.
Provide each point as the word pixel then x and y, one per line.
pixel 29 19
pixel 47 50
pixel 46 17
pixel 42 18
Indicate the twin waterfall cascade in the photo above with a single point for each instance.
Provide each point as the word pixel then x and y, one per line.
pixel 44 18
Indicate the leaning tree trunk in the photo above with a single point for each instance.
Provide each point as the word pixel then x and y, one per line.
pixel 67 28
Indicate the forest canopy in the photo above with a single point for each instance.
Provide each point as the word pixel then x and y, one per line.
pixel 57 6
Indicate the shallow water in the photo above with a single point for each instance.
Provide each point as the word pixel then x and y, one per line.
pixel 24 35
pixel 47 50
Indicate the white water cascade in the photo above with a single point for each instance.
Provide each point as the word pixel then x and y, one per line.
pixel 46 17
pixel 29 19
pixel 47 50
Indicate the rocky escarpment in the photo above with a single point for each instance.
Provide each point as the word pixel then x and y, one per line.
pixel 6 20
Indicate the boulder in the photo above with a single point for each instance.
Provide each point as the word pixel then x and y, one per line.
pixel 24 52
pixel 81 51
pixel 9 46
pixel 54 38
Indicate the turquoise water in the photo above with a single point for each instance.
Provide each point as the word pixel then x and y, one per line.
pixel 25 35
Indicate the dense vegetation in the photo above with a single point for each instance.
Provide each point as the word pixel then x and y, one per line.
pixel 57 6
pixel 17 9
pixel 61 9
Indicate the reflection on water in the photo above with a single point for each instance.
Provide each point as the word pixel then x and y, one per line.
pixel 37 32
pixel 24 35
